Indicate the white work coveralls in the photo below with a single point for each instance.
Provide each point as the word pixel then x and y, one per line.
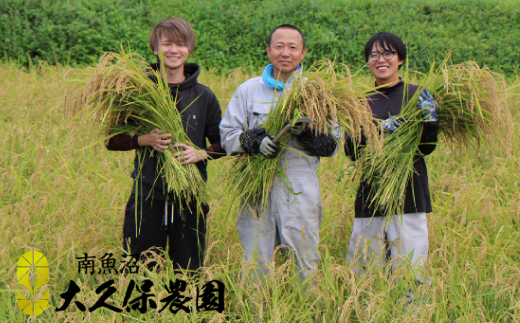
pixel 290 219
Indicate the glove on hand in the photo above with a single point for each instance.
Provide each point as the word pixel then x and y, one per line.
pixel 428 106
pixel 268 148
pixel 391 124
pixel 298 127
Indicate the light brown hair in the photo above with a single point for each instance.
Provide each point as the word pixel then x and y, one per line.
pixel 176 30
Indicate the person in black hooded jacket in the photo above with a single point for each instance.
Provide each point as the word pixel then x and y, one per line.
pixel 166 222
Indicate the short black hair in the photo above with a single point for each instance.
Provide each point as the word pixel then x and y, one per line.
pixel 387 41
pixel 286 26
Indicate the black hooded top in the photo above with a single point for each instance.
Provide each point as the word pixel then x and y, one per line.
pixel 201 117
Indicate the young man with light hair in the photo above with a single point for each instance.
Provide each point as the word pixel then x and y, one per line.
pixel 403 234
pixel 165 221
pixel 292 215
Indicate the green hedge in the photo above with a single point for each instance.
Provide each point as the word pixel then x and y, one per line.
pixel 232 33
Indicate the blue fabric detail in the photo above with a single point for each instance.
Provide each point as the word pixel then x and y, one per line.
pixel 269 80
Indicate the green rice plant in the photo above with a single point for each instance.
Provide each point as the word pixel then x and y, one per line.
pixel 472 111
pixel 327 95
pixel 251 176
pixel 120 96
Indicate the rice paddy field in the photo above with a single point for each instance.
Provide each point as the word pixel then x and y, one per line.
pixel 63 194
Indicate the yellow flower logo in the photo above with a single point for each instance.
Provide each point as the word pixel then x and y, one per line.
pixel 33 264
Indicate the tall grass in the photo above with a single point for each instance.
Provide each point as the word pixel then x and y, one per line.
pixel 327 96
pixel 63 200
pixel 472 112
pixel 121 97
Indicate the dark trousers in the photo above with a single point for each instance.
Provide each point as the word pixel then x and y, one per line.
pixel 184 234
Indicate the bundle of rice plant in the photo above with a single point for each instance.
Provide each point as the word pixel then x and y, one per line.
pixel 120 97
pixel 327 95
pixel 472 111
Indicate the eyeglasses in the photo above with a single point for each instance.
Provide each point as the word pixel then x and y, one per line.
pixel 387 54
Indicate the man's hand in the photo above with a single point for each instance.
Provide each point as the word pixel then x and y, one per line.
pixel 268 148
pixel 391 124
pixel 189 155
pixel 298 127
pixel 159 141
pixel 428 106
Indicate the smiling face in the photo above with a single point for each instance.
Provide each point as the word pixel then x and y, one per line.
pixel 386 71
pixel 175 53
pixel 285 51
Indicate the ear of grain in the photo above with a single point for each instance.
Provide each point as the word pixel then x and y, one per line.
pixel 473 111
pixel 120 98
pixel 327 95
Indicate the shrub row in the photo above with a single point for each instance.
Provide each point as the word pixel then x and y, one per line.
pixel 232 33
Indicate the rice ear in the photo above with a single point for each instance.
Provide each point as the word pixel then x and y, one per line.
pixel 326 94
pixel 120 98
pixel 472 111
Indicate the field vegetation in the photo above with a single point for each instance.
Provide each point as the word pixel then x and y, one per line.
pixel 64 195
pixel 233 33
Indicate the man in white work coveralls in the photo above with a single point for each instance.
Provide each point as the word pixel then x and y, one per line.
pixel 292 215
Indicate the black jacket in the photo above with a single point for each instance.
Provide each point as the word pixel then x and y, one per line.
pixel 201 117
pixel 388 102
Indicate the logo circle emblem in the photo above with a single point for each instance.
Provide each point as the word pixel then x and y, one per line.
pixel 32 264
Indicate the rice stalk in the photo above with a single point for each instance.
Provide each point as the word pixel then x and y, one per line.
pixel 472 111
pixel 119 97
pixel 327 95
